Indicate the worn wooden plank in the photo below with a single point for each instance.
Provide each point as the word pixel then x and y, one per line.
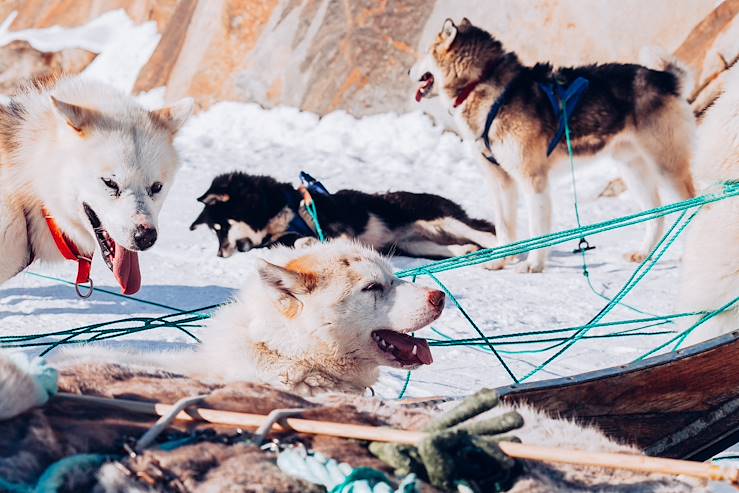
pixel 682 404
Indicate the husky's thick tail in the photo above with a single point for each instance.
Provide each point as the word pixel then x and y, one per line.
pixel 659 59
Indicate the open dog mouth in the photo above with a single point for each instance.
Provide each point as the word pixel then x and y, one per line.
pixel 123 263
pixel 403 348
pixel 425 86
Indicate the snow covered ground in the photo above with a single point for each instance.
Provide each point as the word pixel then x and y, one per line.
pixel 378 153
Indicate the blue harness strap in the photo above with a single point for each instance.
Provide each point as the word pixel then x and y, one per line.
pixel 314 186
pixel 298 225
pixel 494 110
pixel 569 98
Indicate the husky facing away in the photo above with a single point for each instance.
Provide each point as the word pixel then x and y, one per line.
pixel 79 162
pixel 710 265
pixel 247 211
pixel 635 114
pixel 321 318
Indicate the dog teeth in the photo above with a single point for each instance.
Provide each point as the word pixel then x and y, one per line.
pixel 383 343
pixel 415 350
pixel 390 347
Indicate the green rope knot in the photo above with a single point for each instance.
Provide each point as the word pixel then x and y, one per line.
pixel 371 477
pixel 458 451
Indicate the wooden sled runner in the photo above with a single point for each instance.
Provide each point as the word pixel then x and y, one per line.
pixel 681 405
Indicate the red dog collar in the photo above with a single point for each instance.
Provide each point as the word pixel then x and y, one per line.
pixel 70 251
pixel 466 91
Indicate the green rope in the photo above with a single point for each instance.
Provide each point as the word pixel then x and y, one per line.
pixel 8 487
pixel 563 108
pixel 730 189
pixel 583 251
pixel 101 331
pixel 311 208
pixel 338 477
pixel 661 319
pixel 680 338
pixel 53 479
pixel 581 332
pixel 642 270
pixel 107 291
pixel 450 342
pixel 724 457
pixel 405 385
pixel 473 324
pixel 55 476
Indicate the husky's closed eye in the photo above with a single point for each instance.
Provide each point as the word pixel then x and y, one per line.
pixel 112 185
pixel 374 287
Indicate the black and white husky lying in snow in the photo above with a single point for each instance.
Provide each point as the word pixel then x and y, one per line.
pixel 248 211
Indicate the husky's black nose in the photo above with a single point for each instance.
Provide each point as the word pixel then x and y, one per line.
pixel 144 237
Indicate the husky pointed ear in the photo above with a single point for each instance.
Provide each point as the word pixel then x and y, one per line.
pixel 448 32
pixel 284 285
pixel 464 23
pixel 174 117
pixel 210 198
pixel 78 118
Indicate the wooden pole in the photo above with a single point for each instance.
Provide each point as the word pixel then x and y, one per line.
pixel 631 462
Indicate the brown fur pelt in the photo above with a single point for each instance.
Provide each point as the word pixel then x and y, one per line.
pixel 221 460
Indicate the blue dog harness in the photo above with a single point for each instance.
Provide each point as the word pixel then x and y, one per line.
pixel 299 226
pixel 570 98
pixel 494 110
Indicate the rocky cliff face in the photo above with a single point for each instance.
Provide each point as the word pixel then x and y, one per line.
pixel 322 55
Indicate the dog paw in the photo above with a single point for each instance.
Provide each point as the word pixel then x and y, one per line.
pixel 459 250
pixel 497 265
pixel 530 267
pixel 636 257
pixel 502 263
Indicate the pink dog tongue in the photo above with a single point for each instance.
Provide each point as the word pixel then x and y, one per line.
pixel 126 270
pixel 405 344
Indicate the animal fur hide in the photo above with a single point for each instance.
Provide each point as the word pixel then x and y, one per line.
pixel 221 460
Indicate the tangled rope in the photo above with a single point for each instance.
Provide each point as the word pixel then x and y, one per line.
pixel 339 477
pixel 185 320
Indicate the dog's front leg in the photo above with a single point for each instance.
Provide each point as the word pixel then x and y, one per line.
pixel 504 194
pixel 539 205
pixel 14 241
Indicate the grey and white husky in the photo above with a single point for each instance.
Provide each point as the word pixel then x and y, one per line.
pixel 83 164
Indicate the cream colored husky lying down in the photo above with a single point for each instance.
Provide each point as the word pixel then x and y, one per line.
pixel 322 318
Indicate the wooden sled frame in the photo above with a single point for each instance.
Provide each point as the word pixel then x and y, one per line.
pixel 683 404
